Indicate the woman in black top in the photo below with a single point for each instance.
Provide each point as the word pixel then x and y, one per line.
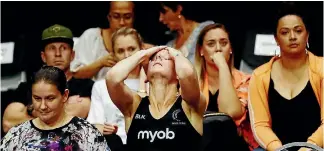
pixel 166 119
pixel 286 93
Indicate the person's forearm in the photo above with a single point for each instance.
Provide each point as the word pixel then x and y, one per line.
pixel 317 137
pixel 88 71
pixel 188 79
pixel 228 100
pixel 123 68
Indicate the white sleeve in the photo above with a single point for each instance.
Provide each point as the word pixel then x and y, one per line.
pixel 84 53
pixel 96 114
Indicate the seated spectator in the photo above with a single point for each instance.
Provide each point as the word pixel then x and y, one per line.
pixel 53 129
pixel 57 51
pixel 286 94
pixel 94 51
pixel 103 112
pixel 175 15
pixel 224 87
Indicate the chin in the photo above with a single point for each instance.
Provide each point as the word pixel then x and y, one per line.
pixel 44 118
pixel 296 51
pixel 62 67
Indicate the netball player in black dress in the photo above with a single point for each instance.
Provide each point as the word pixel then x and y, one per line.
pixel 166 119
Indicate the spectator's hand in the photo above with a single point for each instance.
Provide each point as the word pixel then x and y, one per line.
pixel 109 129
pixel 108 60
pixel 219 59
pixel 173 52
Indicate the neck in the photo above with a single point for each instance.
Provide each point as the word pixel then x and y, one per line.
pixel 212 73
pixel 68 74
pixel 106 35
pixel 54 123
pixel 186 26
pixel 135 73
pixel 162 94
pixel 295 62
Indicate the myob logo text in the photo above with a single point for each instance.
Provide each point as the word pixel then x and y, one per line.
pixel 156 134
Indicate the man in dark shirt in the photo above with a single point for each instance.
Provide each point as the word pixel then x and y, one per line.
pixel 57 44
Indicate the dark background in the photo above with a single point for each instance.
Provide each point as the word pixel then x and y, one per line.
pixel 23 22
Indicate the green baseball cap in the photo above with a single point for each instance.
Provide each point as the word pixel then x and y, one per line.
pixel 57 33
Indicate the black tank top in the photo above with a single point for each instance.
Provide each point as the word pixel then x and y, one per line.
pixel 213 102
pixel 297 119
pixel 172 132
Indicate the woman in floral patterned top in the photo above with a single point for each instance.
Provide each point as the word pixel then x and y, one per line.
pixel 53 130
pixel 225 88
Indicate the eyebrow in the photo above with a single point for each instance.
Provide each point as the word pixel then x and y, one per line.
pixel 297 26
pixel 118 13
pixel 51 95
pixel 213 40
pixel 35 96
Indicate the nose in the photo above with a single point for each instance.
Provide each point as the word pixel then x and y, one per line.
pixel 58 52
pixel 43 105
pixel 127 54
pixel 292 36
pixel 161 17
pixel 218 47
pixel 122 22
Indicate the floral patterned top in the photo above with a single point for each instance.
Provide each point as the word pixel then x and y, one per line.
pixel 77 135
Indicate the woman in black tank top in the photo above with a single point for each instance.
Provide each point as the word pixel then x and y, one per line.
pixel 165 119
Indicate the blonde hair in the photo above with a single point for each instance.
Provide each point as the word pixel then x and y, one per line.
pixel 200 62
pixel 124 31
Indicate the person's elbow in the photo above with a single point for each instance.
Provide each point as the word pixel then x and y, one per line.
pixel 234 111
pixel 111 77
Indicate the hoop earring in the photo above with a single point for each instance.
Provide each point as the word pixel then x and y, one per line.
pixel 275 54
pixel 307 47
